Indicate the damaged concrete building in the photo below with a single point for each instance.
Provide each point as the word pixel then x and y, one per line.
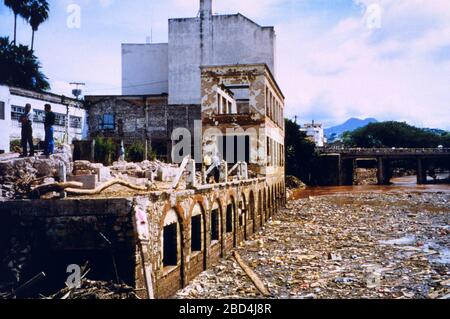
pixel 159 239
pixel 70 115
pixel 164 233
pixel 171 73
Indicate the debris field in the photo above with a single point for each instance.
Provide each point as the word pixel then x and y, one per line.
pixel 392 245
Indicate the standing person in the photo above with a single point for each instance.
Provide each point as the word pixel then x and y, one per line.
pixel 216 170
pixel 214 167
pixel 48 124
pixel 27 131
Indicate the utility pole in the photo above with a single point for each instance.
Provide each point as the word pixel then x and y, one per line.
pixel 77 91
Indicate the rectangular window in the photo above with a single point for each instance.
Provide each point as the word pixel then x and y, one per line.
pixel 39 116
pixel 196 233
pixel 107 122
pixel 75 122
pixel 170 245
pixel 215 228
pixel 60 119
pixel 16 112
pixel 235 148
pixel 241 94
pixel 229 228
pixel 2 110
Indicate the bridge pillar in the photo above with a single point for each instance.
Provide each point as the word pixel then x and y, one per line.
pixel 383 172
pixel 421 172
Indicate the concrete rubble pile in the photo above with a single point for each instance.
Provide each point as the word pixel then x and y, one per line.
pixel 17 176
pixel 146 169
pixel 20 175
pixel 367 245
pixel 98 290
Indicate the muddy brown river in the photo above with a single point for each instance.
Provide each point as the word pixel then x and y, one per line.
pixel 400 184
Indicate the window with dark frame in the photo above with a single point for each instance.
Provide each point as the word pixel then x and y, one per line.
pixel 108 122
pixel 39 116
pixel 215 225
pixel 196 233
pixel 170 245
pixel 75 122
pixel 229 219
pixel 60 119
pixel 17 112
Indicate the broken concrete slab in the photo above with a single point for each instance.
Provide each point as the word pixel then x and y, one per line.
pixel 89 181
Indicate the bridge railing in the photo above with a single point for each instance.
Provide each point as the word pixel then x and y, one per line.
pixel 381 151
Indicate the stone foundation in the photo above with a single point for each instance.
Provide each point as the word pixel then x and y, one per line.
pixel 49 235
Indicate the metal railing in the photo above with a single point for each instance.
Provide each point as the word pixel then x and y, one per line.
pixel 382 151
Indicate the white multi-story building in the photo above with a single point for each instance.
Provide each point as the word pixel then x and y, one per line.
pixel 315 133
pixel 69 112
pixel 205 40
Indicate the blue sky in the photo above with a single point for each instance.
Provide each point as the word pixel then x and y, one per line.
pixel 388 59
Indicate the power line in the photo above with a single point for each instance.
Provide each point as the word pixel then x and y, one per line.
pixel 126 87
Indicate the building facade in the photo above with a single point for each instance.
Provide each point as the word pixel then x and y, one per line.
pixel 243 117
pixel 166 79
pixel 315 133
pixel 70 115
pixel 140 119
pixel 207 39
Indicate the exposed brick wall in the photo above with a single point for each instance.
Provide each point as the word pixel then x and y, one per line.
pixel 162 118
pixel 58 233
pixel 195 265
pixel 69 231
pixel 215 252
pixel 169 283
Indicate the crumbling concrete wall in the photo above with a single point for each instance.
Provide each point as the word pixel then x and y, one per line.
pixel 49 235
pixel 180 207
pixel 130 123
pixel 262 121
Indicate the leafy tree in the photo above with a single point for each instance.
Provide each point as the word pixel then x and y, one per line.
pixel 37 13
pixel 395 134
pixel 300 152
pixel 20 67
pixel 19 8
pixel 105 151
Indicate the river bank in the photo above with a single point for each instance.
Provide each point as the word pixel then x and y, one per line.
pixel 359 245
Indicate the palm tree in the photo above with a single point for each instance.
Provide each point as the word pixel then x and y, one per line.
pixel 37 13
pixel 20 67
pixel 19 8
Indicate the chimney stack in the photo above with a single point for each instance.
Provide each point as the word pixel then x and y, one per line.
pixel 206 8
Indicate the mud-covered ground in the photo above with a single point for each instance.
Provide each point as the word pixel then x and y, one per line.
pixel 368 245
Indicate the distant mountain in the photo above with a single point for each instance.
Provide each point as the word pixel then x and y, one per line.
pixel 436 131
pixel 352 124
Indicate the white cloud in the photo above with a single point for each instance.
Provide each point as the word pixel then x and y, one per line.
pixel 388 73
pixel 329 69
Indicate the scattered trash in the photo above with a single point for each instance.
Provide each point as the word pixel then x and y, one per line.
pixel 97 290
pixel 343 246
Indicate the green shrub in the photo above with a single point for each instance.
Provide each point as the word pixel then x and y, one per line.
pixel 135 153
pixel 105 150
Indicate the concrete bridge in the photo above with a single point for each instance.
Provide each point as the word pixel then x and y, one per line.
pixel 345 161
